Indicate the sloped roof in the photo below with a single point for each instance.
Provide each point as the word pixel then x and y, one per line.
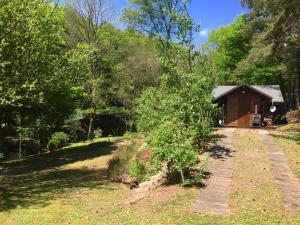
pixel 271 91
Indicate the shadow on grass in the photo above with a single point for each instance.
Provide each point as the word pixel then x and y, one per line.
pixel 57 158
pixel 38 180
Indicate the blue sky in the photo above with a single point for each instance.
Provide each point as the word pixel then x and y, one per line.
pixel 210 14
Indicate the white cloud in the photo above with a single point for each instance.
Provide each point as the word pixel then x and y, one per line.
pixel 204 32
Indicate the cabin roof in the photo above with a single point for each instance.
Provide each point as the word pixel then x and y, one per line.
pixel 271 91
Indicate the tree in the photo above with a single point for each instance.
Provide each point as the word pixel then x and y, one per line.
pixel 31 56
pixel 245 52
pixel 175 117
pixel 168 21
pixel 281 35
pixel 89 16
pixel 126 65
pixel 227 46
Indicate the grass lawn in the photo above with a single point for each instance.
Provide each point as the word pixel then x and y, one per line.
pixel 288 137
pixel 94 141
pixel 70 187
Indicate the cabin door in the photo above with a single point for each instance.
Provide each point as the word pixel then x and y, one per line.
pixel 244 109
pixel 232 111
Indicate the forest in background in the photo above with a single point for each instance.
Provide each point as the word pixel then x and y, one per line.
pixel 68 73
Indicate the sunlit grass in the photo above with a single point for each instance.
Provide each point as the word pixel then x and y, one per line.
pixel 76 191
pixel 288 137
pixel 93 141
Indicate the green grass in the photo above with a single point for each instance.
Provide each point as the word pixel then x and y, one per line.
pixel 94 141
pixel 70 187
pixel 251 201
pixel 288 137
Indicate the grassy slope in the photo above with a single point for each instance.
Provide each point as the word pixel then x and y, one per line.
pixel 70 187
pixel 288 137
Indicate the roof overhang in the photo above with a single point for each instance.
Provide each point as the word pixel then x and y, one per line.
pixel 241 86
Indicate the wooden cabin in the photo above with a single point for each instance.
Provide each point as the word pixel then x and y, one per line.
pixel 249 105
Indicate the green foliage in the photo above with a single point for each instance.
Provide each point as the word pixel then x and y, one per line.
pixel 119 164
pixel 228 45
pixel 131 161
pixel 55 73
pixel 32 55
pixel 260 47
pixel 174 143
pixel 57 140
pixel 133 169
pixel 166 20
pixel 130 135
pixel 177 117
pixel 30 48
pixel 259 73
pixel 98 133
pixel 277 41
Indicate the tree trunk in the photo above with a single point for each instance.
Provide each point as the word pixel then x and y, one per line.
pixel 93 95
pixel 90 126
pixel 297 90
pixel 290 94
pixel 20 144
pixel 182 176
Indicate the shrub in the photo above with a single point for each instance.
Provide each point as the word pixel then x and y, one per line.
pixel 177 117
pixel 98 133
pixel 119 164
pixel 128 161
pixel 57 140
pixel 1 155
pixel 133 168
pixel 174 143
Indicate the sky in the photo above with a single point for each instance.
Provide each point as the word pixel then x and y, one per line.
pixel 210 14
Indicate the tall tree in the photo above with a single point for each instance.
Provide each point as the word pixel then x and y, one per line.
pixel 227 46
pixel 174 116
pixel 282 35
pixel 167 20
pixel 31 50
pixel 89 16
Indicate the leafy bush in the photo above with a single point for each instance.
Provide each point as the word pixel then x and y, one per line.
pixel 119 164
pixel 129 160
pixel 175 144
pixel 133 168
pixel 57 140
pixel 1 155
pixel 98 133
pixel 177 117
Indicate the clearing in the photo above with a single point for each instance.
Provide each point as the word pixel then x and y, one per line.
pixel 70 187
